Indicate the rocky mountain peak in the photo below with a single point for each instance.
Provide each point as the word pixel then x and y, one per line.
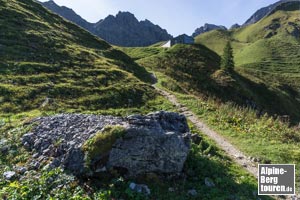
pixel 125 14
pixel 124 29
pixel 208 27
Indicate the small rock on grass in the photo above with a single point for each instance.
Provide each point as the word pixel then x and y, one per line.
pixel 9 175
pixel 140 188
pixel 193 192
pixel 20 170
pixel 196 139
pixel 209 182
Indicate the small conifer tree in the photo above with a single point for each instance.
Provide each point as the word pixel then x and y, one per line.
pixel 227 59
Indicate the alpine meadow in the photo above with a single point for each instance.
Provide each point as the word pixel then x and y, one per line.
pixel 120 109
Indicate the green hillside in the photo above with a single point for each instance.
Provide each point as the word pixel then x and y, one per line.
pixel 47 62
pixel 200 74
pixel 137 53
pixel 187 73
pixel 267 53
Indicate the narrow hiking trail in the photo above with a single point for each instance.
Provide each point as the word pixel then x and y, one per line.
pixel 232 151
pixel 235 154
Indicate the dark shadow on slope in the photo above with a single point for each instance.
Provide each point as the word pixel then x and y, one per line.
pixel 244 92
pixel 274 101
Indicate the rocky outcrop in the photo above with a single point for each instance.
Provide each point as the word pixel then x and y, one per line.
pixel 207 28
pixel 156 143
pixel 122 30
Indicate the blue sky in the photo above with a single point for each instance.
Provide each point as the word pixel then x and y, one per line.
pixel 177 16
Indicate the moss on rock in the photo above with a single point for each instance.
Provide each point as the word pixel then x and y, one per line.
pixel 103 141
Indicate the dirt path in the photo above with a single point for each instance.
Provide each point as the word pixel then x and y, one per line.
pixel 233 152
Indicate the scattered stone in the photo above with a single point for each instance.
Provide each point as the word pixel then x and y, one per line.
pixel 209 182
pixel 3 142
pixel 193 192
pixel 196 139
pixel 34 165
pixel 55 163
pixel 294 198
pixel 132 185
pixel 140 188
pixel 239 157
pixel 171 189
pixel 4 146
pixel 36 155
pixel 267 161
pixel 20 170
pixel 9 175
pixel 254 159
pixel 103 169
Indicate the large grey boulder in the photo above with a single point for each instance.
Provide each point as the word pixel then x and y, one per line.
pixel 158 143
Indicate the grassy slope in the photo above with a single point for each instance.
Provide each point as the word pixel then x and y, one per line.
pixel 137 53
pixel 43 56
pixel 200 75
pixel 267 53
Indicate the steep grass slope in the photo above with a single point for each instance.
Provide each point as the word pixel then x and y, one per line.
pixel 193 72
pixel 195 69
pixel 267 53
pixel 48 62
